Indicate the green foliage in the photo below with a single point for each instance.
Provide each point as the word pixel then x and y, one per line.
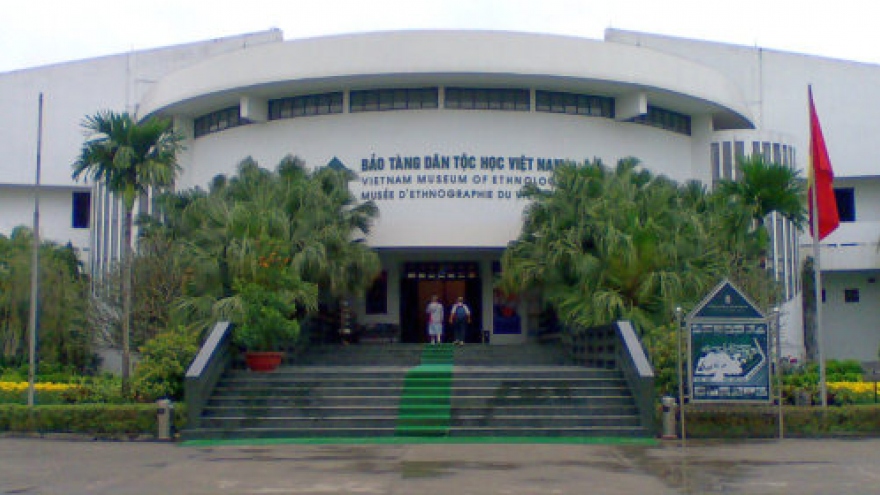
pixel 761 421
pixel 620 243
pixel 96 420
pixel 64 339
pixel 164 361
pixel 267 322
pixel 847 370
pixel 661 347
pixel 102 389
pixel 288 231
pixel 767 187
pixel 608 244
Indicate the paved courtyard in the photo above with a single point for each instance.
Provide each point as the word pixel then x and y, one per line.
pixel 44 466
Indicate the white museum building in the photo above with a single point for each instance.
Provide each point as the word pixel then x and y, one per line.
pixel 443 128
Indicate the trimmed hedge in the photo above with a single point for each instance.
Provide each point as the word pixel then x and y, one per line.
pixel 799 421
pixel 106 421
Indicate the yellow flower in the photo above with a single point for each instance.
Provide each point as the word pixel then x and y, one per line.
pixel 39 387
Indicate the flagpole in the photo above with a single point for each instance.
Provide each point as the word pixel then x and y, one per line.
pixel 817 276
pixel 817 263
pixel 35 265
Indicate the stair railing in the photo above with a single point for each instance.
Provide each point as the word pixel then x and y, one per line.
pixel 638 372
pixel 212 360
pixel 617 347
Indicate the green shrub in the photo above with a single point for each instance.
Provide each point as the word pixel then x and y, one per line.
pixel 98 420
pixel 759 421
pixel 102 389
pixel 164 361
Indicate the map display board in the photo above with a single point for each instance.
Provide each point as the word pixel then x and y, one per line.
pixel 730 362
pixel 728 349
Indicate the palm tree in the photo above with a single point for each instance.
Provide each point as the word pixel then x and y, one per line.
pixel 608 243
pixel 307 224
pixel 129 158
pixel 767 187
pixel 763 188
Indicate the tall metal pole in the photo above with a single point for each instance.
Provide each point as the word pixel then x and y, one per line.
pixel 778 339
pixel 678 317
pixel 35 264
pixel 817 276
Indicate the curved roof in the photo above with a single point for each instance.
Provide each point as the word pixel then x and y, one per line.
pixel 475 58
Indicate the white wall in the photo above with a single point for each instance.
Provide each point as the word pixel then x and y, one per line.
pixel 71 91
pixel 775 87
pixel 851 330
pixel 418 133
pixel 56 221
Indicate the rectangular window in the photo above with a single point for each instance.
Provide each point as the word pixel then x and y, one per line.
pixel 371 100
pixel 715 153
pixel 727 161
pixel 487 99
pixel 665 119
pixel 846 203
pixel 574 104
pixel 82 209
pixel 217 121
pixel 306 105
pixel 850 295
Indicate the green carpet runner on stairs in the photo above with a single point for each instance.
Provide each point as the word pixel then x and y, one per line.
pixel 424 409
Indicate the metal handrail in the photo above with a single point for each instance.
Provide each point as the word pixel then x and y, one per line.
pixel 210 363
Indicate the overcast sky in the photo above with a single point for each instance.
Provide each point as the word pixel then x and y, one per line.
pixel 39 32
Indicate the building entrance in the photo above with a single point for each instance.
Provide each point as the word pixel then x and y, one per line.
pixel 448 281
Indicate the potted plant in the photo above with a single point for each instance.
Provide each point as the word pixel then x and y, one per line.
pixel 266 325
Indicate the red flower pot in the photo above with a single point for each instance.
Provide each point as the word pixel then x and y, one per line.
pixel 263 361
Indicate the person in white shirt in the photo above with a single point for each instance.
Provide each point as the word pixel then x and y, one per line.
pixel 435 320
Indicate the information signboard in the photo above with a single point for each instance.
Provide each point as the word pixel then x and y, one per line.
pixel 730 362
pixel 728 349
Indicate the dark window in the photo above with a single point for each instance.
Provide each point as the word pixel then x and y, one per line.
pixel 574 104
pixel 666 119
pixel 393 99
pixel 846 204
pixel 217 121
pixel 82 209
pixel 851 295
pixel 488 99
pixel 306 105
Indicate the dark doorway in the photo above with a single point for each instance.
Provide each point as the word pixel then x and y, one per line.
pixel 447 281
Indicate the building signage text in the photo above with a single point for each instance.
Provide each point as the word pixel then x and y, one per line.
pixel 463 176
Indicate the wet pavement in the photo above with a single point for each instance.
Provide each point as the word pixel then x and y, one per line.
pixel 43 466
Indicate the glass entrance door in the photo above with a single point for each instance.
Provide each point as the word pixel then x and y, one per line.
pixel 448 281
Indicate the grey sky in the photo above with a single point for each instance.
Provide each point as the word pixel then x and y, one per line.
pixel 39 32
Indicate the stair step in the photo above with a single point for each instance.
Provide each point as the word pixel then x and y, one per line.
pixel 417 390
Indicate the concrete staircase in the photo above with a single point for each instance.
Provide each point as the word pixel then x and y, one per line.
pixel 422 390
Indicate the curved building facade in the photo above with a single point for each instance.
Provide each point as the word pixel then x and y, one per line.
pixel 443 128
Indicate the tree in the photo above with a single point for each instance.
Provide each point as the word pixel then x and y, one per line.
pixel 621 243
pixel 291 231
pixel 63 337
pixel 129 158
pixel 765 187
